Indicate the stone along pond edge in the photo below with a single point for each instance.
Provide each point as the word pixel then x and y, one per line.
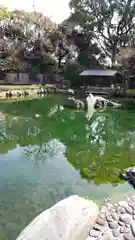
pixel 21 91
pixel 16 92
pixel 77 218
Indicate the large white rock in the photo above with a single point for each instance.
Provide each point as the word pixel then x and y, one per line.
pixel 69 219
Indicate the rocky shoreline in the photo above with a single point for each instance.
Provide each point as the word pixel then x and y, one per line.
pixel 76 218
pixel 27 92
pixel 16 92
pixel 115 221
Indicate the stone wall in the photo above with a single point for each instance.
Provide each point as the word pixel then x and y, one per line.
pixel 23 77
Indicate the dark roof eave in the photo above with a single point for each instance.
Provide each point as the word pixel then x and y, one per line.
pixel 102 73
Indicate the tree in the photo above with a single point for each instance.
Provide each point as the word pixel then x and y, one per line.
pixel 62 46
pixel 130 65
pixel 111 22
pixel 25 38
pixel 126 59
pixel 86 49
pixel 35 40
pixel 71 72
pixel 4 13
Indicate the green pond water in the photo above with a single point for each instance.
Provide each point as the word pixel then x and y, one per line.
pixel 47 154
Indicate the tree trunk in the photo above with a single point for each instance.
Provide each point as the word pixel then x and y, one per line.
pixel 113 58
pixel 59 61
pixel 17 73
pixel 43 78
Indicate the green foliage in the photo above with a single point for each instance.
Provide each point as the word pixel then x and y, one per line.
pixel 36 41
pixel 27 43
pixel 126 58
pixel 87 50
pixel 60 43
pixel 90 34
pixel 37 44
pixel 131 65
pixel 72 71
pixel 100 19
pixel 5 13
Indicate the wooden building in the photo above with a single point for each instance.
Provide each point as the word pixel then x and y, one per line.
pixel 101 77
pixel 102 81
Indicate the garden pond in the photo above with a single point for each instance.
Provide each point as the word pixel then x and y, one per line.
pixel 48 153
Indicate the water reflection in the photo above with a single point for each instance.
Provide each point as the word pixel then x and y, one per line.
pixel 48 153
pixel 98 149
pixel 100 131
pixel 95 132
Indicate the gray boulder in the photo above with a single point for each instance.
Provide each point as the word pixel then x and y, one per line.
pixel 70 219
pixel 129 176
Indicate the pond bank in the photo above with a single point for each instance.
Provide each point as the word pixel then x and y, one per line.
pixel 21 91
pixel 76 218
pixel 30 91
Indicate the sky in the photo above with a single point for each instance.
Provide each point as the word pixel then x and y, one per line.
pixel 57 10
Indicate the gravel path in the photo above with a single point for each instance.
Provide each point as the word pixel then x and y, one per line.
pixel 115 222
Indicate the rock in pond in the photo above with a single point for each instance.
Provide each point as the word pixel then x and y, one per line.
pixel 129 176
pixel 70 218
